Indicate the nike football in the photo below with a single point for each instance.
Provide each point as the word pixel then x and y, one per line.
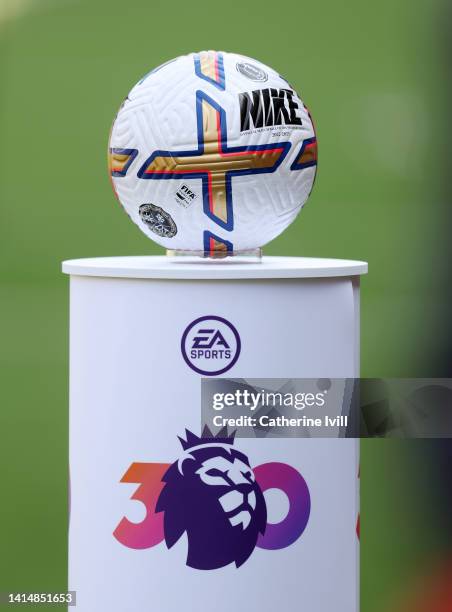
pixel 212 152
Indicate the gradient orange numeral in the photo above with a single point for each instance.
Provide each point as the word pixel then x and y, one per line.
pixel 150 531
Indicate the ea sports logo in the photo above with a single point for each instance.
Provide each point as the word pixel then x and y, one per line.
pixel 210 345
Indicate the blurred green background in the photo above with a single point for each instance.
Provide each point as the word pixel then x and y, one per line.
pixel 370 72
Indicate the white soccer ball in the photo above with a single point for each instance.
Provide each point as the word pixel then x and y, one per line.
pixel 212 151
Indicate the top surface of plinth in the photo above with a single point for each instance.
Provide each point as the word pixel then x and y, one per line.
pixel 168 268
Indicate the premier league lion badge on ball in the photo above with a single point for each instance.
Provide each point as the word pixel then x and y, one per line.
pixel 212 152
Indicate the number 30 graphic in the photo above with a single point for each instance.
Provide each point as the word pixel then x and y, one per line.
pixel 273 475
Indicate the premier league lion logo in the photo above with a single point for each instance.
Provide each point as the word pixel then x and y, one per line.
pixel 211 494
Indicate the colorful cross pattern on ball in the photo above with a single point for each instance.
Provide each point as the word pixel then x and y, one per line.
pixel 214 162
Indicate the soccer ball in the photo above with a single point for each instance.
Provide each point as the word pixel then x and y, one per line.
pixel 212 152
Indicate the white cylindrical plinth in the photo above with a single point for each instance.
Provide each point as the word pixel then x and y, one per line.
pixel 143 330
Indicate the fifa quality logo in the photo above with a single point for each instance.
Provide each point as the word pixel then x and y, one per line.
pixel 210 345
pixel 213 496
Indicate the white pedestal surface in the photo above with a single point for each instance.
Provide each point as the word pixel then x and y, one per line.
pixel 132 394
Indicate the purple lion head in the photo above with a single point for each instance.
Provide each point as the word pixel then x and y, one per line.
pixel 211 494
